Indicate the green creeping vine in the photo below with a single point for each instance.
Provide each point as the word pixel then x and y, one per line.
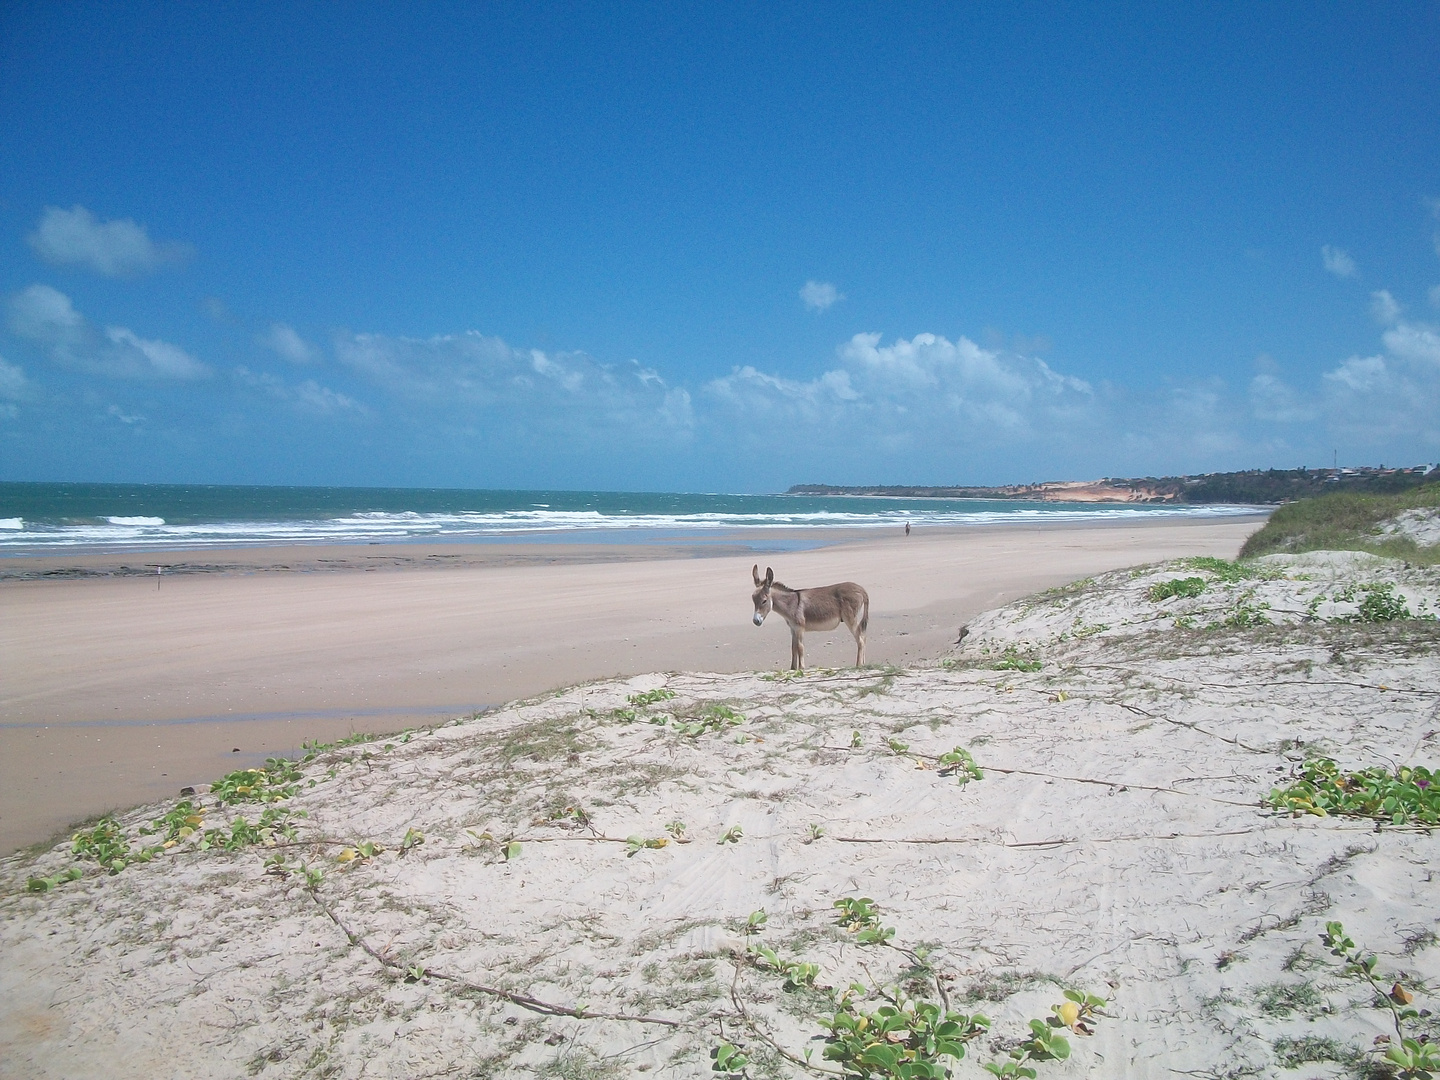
pixel 961 765
pixel 269 784
pixel 729 1061
pixel 45 884
pixel 1185 588
pixel 713 718
pixel 1228 572
pixel 106 844
pixel 861 916
pixel 1077 1012
pixel 795 973
pixel 650 697
pixel 1382 605
pixel 1013 661
pixel 1408 795
pixel 636 844
pixel 1410 1057
pixel 903 1037
pixel 1247 614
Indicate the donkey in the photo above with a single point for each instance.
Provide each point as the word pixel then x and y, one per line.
pixel 812 609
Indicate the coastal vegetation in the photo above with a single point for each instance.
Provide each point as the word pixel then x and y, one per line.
pixel 1348 521
pixel 1250 487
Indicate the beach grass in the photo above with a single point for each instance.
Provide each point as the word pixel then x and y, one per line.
pixel 1346 522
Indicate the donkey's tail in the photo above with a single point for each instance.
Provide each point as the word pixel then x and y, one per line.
pixel 865 617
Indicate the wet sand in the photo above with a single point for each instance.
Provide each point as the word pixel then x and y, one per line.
pixel 116 689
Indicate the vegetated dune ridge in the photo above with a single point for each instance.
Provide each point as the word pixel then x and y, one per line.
pixel 1116 845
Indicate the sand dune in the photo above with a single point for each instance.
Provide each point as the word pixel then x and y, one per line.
pixel 1115 844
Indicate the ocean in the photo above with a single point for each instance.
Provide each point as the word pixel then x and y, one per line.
pixel 40 518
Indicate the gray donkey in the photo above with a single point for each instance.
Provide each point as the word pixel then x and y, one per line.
pixel 813 609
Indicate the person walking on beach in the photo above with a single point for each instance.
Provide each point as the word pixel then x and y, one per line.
pixel 907 528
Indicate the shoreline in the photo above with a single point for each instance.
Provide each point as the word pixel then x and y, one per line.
pixel 539 548
pixel 329 557
pixel 116 691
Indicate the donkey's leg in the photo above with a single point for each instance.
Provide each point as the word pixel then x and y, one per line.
pixel 797 649
pixel 859 647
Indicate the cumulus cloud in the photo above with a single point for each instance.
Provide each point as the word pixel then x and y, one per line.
pixel 1389 400
pixel 472 375
pixel 1383 307
pixel 1360 373
pixel 285 342
pixel 924 387
pixel 962 367
pixel 1414 341
pixel 13 384
pixel 46 316
pixel 307 396
pixel 1338 261
pixel 1273 400
pixel 113 248
pixel 819 295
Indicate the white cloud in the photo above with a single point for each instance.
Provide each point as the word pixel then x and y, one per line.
pixel 762 399
pixel 472 375
pixel 961 368
pixel 124 417
pixel 159 357
pixel 113 248
pixel 569 378
pixel 13 384
pixel 1338 261
pixel 1362 373
pixel 43 314
pixel 47 317
pixel 819 295
pixel 1273 400
pixel 307 396
pixel 284 341
pixel 1383 307
pixel 909 392
pixel 1414 341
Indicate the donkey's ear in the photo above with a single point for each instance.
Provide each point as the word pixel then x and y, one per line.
pixel 769 577
pixel 755 573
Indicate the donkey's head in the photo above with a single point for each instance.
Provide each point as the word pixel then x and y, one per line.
pixel 762 592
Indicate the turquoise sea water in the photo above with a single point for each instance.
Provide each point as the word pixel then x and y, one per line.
pixel 39 518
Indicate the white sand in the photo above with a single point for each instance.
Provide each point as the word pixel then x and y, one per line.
pixel 1115 845
pixel 115 692
pixel 1421 525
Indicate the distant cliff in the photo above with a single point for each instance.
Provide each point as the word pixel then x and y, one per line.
pixel 1257 486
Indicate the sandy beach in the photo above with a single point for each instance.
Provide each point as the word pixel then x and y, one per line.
pixel 116 690
pixel 631 875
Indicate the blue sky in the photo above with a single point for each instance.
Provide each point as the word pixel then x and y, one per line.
pixel 715 246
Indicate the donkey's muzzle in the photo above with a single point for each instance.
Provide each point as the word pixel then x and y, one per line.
pixel 759 618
